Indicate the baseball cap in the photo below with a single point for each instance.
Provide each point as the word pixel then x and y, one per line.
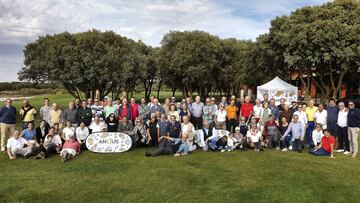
pixel 237 129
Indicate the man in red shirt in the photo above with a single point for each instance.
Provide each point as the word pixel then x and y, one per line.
pixel 246 109
pixel 326 147
pixel 134 109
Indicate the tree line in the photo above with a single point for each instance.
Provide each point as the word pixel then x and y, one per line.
pixel 318 42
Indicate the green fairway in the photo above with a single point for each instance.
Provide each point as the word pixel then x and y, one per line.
pixel 270 176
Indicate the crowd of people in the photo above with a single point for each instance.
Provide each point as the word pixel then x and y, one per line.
pixel 180 127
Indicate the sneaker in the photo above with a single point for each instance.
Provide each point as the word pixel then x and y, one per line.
pixel 284 150
pixel 223 150
pixel 290 147
pixel 347 153
pixel 277 148
pixel 340 150
pixel 2 149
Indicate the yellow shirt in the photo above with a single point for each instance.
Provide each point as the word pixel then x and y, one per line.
pixel 231 112
pixel 310 112
pixel 30 115
pixel 55 116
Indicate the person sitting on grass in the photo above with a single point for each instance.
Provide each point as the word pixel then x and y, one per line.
pixel 112 123
pixel 326 147
pixel 41 132
pixel 29 134
pixel 297 130
pixel 216 141
pixel 238 138
pixel 140 133
pixel 254 138
pixel 169 145
pixel 97 126
pixel 272 133
pixel 81 134
pixel 70 149
pixel 18 146
pixel 317 134
pixel 52 145
pixel 126 126
pixel 68 131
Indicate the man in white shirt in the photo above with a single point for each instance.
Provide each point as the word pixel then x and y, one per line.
pixel 188 129
pixel 320 116
pixel 254 138
pixel 97 126
pixel 257 109
pixel 342 141
pixel 16 146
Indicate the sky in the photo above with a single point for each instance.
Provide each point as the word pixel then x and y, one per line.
pixel 23 21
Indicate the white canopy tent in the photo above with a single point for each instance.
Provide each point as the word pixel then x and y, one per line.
pixel 278 89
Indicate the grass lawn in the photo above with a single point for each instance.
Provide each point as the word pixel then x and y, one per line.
pixel 269 176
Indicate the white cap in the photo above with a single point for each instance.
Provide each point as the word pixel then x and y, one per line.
pixel 237 129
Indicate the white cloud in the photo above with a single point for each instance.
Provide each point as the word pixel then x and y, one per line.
pixel 22 21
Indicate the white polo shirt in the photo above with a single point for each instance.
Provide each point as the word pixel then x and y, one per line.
pixel 321 117
pixel 342 118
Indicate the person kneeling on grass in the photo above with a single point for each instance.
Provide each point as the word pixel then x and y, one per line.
pixel 52 145
pixel 70 149
pixel 254 138
pixel 18 146
pixel 317 134
pixel 326 147
pixel 169 145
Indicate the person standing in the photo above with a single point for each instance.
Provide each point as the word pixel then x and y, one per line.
pixel 7 122
pixel 85 114
pixel 196 113
pixel 134 109
pixel 166 106
pixel 231 115
pixel 27 113
pixel 144 110
pixel 320 116
pixel 332 117
pixel 55 115
pixel 341 137
pixel 110 109
pixel 246 109
pixel 275 112
pixel 71 114
pixel 310 112
pixel 208 111
pixel 353 121
pixel 45 111
pixel 257 110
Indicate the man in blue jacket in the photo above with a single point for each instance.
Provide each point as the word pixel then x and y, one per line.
pixel 7 122
pixel 353 121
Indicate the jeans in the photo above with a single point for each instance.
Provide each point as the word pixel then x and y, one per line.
pixel 297 145
pixel 309 130
pixel 343 138
pixel 286 142
pixel 183 149
pixel 319 152
pixel 273 140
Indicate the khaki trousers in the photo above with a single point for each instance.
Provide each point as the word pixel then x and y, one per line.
pixel 6 130
pixel 353 139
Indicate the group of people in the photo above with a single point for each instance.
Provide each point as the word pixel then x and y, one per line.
pixel 180 127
